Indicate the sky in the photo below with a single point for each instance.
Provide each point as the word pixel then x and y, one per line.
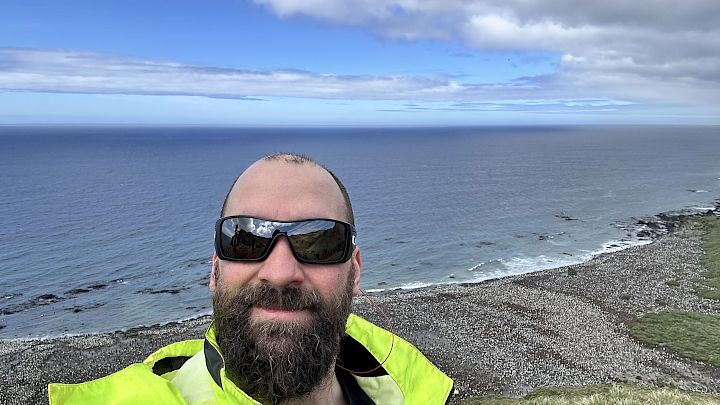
pixel 359 63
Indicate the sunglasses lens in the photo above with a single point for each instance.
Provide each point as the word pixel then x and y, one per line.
pixel 313 241
pixel 319 241
pixel 240 239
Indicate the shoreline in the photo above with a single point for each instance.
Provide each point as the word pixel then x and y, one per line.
pixel 506 336
pixel 640 230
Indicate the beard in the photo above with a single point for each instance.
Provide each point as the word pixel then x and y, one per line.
pixel 274 360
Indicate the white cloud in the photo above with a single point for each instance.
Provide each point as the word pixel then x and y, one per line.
pixel 43 70
pixel 656 50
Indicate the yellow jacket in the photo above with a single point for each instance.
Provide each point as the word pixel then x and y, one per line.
pixel 192 372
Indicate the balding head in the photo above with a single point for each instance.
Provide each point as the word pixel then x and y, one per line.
pixel 288 184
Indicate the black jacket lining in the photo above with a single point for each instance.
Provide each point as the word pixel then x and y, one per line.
pixel 355 357
pixel 354 395
pixel 168 364
pixel 214 362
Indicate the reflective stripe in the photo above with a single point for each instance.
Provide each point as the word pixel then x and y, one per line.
pixel 382 389
pixel 194 382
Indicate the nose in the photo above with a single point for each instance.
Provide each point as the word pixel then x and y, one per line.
pixel 281 268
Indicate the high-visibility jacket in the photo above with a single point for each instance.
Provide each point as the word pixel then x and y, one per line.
pixel 193 372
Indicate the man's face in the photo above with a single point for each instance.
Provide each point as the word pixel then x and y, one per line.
pixel 273 360
pixel 286 192
pixel 279 308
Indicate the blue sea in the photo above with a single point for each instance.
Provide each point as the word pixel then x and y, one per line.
pixel 106 228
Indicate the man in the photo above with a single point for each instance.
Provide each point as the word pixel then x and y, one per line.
pixel 284 272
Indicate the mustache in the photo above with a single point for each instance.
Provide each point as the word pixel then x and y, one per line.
pixel 289 298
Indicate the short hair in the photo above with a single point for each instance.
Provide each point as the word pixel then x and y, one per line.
pixel 300 159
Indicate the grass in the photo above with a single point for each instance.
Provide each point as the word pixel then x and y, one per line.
pixel 710 285
pixel 690 334
pixel 600 395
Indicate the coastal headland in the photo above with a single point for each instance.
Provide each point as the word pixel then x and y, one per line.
pixel 569 326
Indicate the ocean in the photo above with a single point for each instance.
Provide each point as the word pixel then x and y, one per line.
pixel 107 228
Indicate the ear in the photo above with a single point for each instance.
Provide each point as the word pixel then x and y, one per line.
pixel 357 263
pixel 215 264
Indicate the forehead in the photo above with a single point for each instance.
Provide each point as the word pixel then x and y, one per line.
pixel 286 191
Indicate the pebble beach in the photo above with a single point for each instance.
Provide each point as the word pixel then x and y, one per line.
pixel 563 327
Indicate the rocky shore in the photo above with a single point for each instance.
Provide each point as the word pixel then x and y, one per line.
pixel 567 326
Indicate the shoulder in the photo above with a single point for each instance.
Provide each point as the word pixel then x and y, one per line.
pixel 387 366
pixel 146 382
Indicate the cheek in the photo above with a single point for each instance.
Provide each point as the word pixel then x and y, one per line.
pixel 234 274
pixel 328 281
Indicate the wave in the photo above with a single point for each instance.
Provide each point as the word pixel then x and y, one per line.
pixel 702 208
pixel 407 286
pixel 501 268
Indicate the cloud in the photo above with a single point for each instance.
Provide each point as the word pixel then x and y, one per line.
pixel 43 70
pixel 656 50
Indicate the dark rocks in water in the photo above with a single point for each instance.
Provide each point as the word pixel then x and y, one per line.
pixel 565 216
pixel 614 245
pixel 651 224
pixel 657 225
pixel 86 289
pixel 2 327
pixel 77 309
pixel 47 299
pixel 382 283
pixel 483 243
pixel 165 291
pixel 664 217
pixel 197 262
pixel 546 236
pixel 567 254
pixel 76 291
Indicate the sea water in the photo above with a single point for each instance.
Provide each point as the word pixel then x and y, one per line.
pixel 105 228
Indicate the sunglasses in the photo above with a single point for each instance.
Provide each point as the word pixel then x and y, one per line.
pixel 316 241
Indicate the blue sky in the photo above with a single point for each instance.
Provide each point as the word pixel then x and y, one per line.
pixel 368 62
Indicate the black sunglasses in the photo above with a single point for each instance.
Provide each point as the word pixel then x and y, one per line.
pixel 318 241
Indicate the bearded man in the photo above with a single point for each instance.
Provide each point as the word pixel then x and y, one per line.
pixel 285 269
